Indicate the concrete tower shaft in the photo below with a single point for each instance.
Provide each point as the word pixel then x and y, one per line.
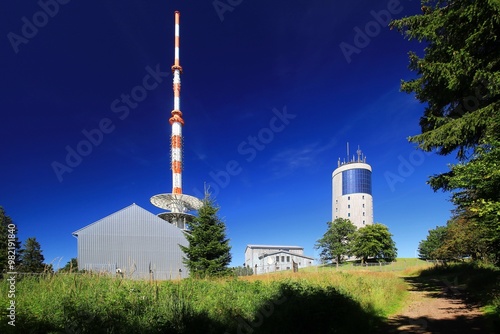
pixel 352 192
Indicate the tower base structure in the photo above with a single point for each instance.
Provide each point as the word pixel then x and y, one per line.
pixel 179 206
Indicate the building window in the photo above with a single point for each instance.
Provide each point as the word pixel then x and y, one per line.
pixel 287 268
pixel 363 222
pixel 336 209
pixel 348 214
pixel 336 201
pixel 363 205
pixel 348 198
pixel 277 259
pixel 363 214
pixel 282 259
pixel 288 259
pixel 356 180
pixel 349 206
pixel 363 197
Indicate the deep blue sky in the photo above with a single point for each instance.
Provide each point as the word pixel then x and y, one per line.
pixel 68 77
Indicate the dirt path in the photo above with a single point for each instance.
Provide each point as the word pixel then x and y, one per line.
pixel 436 306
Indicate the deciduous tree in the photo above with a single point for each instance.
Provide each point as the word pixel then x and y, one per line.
pixel 373 241
pixel 464 237
pixel 435 239
pixel 335 243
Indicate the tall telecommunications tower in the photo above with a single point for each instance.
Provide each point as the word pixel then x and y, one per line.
pixel 176 203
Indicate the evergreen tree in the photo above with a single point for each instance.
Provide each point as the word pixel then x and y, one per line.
pixel 32 258
pixel 458 80
pixel 458 77
pixel 9 247
pixel 208 251
pixel 335 243
pixel 373 241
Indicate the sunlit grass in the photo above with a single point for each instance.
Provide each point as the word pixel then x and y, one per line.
pixel 268 303
pixel 382 292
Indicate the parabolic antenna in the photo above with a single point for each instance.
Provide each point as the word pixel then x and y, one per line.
pixel 176 202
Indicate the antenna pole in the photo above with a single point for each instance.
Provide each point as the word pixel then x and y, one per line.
pixel 176 121
pixel 348 152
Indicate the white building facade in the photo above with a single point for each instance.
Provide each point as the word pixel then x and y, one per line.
pixel 352 192
pixel 268 258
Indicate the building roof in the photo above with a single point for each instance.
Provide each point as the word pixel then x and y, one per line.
pixel 274 247
pixel 285 252
pixel 122 218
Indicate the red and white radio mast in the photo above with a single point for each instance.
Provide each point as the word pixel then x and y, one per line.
pixel 177 203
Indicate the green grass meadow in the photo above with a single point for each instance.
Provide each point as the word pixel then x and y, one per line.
pixel 319 300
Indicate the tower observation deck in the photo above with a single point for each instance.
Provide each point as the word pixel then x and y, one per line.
pixel 352 190
pixel 177 204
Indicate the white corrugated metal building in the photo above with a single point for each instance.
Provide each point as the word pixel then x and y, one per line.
pixel 133 242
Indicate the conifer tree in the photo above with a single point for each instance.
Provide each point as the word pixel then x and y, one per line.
pixel 458 81
pixel 8 246
pixel 208 252
pixel 31 257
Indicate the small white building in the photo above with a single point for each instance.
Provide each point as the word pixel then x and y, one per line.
pixel 267 258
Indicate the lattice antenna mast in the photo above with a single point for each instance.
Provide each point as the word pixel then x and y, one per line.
pixel 176 121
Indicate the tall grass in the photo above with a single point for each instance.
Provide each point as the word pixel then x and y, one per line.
pixel 400 265
pixel 380 292
pixel 334 302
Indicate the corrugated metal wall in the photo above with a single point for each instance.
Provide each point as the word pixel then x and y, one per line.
pixel 135 241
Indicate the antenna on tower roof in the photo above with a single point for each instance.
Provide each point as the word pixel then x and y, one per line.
pixel 347 151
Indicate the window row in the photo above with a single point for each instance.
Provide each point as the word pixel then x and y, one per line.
pixel 282 259
pixel 349 214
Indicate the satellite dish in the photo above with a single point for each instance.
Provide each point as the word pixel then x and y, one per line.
pixel 269 260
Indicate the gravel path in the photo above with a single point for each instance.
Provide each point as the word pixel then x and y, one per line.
pixel 436 307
